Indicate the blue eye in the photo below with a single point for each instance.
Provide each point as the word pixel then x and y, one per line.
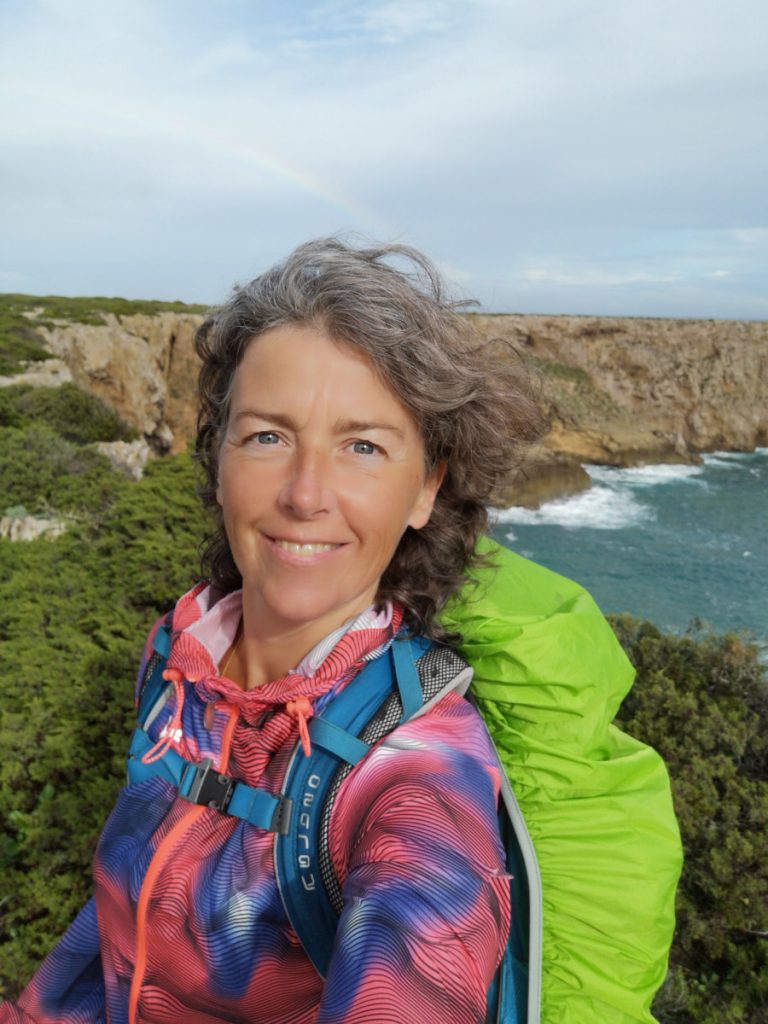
pixel 364 448
pixel 267 437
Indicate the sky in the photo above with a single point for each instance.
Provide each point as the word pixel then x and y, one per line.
pixel 559 156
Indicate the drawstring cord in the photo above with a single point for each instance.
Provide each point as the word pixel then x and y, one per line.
pixel 301 711
pixel 346 658
pixel 172 728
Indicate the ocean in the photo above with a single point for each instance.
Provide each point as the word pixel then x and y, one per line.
pixel 667 543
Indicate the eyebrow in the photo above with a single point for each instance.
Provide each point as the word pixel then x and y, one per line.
pixel 361 426
pixel 340 426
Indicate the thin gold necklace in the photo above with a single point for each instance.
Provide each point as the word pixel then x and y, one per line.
pixel 232 650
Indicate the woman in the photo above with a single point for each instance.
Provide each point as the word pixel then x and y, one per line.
pixel 351 428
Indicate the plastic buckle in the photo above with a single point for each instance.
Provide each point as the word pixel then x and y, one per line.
pixel 209 788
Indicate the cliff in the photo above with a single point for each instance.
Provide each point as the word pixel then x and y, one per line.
pixel 615 391
pixel 622 392
pixel 143 366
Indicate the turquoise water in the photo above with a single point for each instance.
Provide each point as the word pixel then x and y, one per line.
pixel 667 543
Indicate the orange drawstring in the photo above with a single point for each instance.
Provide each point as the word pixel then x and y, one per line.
pixel 301 709
pixel 172 729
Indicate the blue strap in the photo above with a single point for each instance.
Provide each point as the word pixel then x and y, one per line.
pixel 153 686
pixel 200 783
pixel 336 740
pixel 260 808
pixel 309 781
pixel 407 677
pixel 162 640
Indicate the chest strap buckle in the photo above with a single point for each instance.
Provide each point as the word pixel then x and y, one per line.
pixel 201 784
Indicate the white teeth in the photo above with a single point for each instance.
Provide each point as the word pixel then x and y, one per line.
pixel 304 549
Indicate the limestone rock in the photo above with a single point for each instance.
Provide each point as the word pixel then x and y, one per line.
pixel 616 391
pixel 128 362
pixel 130 457
pixel 50 373
pixel 545 476
pixel 21 527
pixel 698 385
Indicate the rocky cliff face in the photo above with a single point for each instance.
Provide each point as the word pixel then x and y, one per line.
pixel 702 382
pixel 616 391
pixel 144 367
pixel 630 391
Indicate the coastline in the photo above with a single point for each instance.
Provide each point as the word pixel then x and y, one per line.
pixel 678 544
pixel 614 391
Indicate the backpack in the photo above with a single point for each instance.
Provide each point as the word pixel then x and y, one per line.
pixel 403 682
pixel 590 930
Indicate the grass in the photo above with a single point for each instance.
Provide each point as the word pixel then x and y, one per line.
pixel 20 341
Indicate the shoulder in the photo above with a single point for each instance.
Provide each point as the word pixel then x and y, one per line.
pixel 441 749
pixel 190 607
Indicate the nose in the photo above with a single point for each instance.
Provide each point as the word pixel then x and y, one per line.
pixel 308 489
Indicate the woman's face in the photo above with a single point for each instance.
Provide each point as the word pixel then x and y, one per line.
pixel 321 472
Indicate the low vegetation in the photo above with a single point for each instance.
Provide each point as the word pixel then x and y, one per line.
pixel 572 394
pixel 702 702
pixel 74 414
pixel 21 316
pixel 73 615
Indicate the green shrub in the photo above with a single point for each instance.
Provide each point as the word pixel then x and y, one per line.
pixel 74 613
pixel 74 414
pixel 82 309
pixel 45 473
pixel 19 345
pixel 702 702
pixel 10 416
pixel 73 616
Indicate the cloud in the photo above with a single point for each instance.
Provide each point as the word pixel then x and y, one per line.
pixel 393 21
pixel 596 145
pixel 580 277
pixel 11 280
pixel 750 236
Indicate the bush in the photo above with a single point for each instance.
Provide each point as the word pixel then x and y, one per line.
pixel 74 414
pixel 74 613
pixel 702 702
pixel 19 342
pixel 43 472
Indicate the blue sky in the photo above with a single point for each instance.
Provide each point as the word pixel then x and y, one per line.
pixel 599 156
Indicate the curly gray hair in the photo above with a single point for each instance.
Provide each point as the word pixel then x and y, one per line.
pixel 471 400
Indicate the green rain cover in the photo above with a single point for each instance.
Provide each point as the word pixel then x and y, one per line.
pixel 549 678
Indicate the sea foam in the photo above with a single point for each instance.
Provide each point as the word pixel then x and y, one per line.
pixel 600 508
pixel 646 476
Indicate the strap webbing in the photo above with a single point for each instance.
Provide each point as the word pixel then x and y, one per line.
pixel 201 784
pixel 161 641
pixel 336 740
pixel 407 677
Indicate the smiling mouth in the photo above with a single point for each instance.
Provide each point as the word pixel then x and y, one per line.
pixel 303 550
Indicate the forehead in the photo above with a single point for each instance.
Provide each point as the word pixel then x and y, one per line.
pixel 296 365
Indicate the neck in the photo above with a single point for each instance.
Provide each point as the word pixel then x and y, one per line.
pixel 267 650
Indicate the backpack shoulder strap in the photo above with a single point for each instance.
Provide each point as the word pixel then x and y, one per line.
pixel 399 685
pixel 197 782
pixel 152 684
pixel 404 683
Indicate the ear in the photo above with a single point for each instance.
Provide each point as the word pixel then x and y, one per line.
pixel 422 508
